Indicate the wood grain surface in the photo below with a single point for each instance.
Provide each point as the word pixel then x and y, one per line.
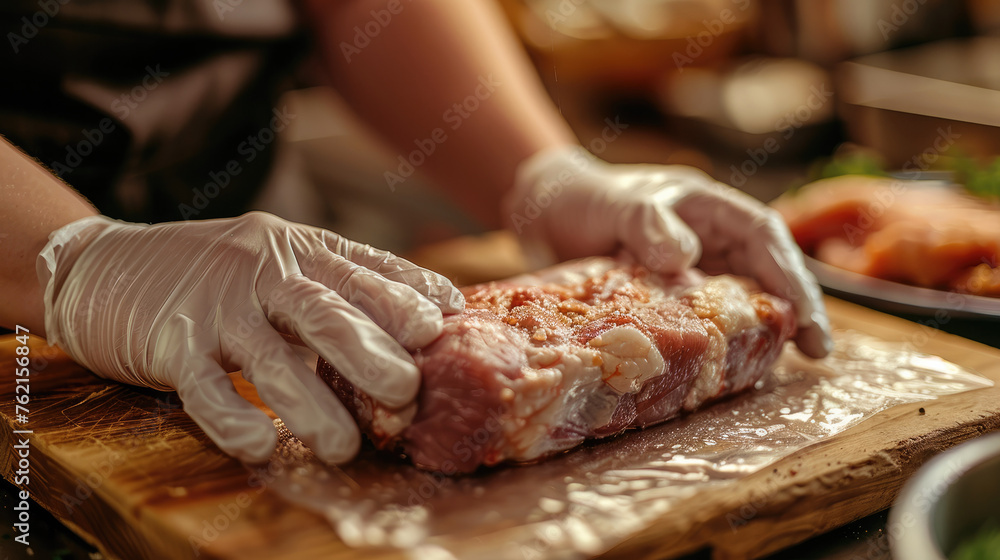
pixel 130 472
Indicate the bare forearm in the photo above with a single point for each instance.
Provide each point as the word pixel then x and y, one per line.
pixel 33 203
pixel 427 57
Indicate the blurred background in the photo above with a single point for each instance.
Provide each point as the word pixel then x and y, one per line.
pixel 762 94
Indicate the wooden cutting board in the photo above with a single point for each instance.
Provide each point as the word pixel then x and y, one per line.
pixel 131 473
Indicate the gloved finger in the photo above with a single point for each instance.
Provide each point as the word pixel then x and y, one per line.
pixel 364 353
pixel 772 257
pixel 815 341
pixel 430 284
pixel 813 336
pixel 239 428
pixel 236 426
pixel 658 238
pixel 307 406
pixel 800 287
pixel 754 241
pixel 399 309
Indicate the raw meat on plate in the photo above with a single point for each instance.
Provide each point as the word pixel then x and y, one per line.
pixel 539 363
pixel 922 233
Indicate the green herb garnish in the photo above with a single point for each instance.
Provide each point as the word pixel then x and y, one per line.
pixel 859 163
pixel 984 545
pixel 980 180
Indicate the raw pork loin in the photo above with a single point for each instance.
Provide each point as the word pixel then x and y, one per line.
pixel 539 363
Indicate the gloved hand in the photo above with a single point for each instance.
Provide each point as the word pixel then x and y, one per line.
pixel 566 203
pixel 177 305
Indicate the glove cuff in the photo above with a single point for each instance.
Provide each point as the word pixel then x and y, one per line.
pixel 54 263
pixel 543 171
pixel 537 180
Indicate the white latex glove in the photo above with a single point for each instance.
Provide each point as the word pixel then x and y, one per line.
pixel 177 305
pixel 566 203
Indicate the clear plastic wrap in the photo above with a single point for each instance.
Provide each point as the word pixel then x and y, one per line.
pixel 587 500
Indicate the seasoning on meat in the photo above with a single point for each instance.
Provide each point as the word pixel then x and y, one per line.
pixel 537 364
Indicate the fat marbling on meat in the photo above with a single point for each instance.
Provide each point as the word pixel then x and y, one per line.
pixel 586 349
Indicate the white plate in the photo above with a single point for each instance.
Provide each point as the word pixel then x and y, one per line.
pixel 900 298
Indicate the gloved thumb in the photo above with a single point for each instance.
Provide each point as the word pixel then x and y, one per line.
pixel 658 238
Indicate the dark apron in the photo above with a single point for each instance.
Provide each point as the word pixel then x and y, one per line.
pixel 154 110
